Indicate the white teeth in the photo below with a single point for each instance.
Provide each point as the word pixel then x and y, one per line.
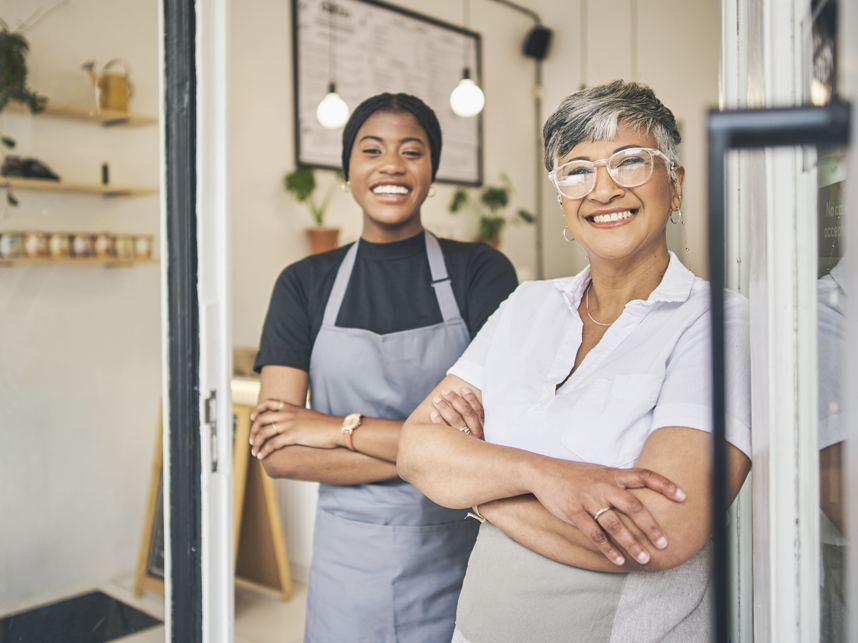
pixel 390 189
pixel 613 216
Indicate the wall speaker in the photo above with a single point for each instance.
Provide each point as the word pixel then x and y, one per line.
pixel 537 42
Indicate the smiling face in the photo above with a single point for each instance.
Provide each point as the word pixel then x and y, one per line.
pixel 617 223
pixel 390 172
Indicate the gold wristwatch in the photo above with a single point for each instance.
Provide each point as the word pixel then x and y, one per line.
pixel 350 424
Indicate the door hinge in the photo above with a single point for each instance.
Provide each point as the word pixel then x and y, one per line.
pixel 211 420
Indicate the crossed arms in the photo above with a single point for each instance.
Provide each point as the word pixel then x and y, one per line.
pixel 547 504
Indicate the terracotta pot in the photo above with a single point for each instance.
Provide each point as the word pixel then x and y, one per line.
pixel 322 239
pixel 494 243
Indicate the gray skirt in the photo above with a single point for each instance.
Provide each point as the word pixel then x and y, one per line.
pixel 512 594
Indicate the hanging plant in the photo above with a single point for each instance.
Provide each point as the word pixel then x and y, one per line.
pixel 13 75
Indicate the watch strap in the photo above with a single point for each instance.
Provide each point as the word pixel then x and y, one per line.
pixel 350 423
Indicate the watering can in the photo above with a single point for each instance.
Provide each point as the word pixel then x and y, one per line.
pixel 112 88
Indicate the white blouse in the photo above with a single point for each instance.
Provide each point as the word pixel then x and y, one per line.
pixel 650 370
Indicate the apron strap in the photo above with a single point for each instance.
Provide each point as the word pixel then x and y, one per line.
pixel 332 309
pixel 440 280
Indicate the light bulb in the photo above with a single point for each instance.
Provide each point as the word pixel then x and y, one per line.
pixel 467 99
pixel 332 112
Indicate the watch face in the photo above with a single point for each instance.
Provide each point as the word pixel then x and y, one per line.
pixel 352 421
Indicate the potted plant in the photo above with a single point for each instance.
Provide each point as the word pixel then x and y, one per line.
pixel 490 206
pixel 13 80
pixel 301 184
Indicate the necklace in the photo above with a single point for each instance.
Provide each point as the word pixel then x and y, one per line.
pixel 588 307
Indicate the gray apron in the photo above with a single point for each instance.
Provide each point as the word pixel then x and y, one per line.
pixel 388 563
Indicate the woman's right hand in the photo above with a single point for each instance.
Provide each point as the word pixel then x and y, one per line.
pixel 575 492
pixel 461 411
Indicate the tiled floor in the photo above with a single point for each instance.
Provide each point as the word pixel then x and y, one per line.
pixel 259 618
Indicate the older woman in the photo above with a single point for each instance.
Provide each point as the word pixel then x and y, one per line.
pixel 371 328
pixel 581 377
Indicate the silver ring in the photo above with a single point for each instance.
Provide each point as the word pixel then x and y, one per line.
pixel 277 431
pixel 465 430
pixel 282 404
pixel 600 512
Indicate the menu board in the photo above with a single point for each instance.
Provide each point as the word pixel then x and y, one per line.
pixel 367 48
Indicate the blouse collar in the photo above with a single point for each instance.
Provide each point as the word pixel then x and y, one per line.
pixel 675 286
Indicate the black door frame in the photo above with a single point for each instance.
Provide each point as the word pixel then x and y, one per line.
pixel 734 130
pixel 185 459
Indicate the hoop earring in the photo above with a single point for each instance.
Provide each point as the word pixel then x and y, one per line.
pixel 679 220
pixel 346 187
pixel 431 191
pixel 565 230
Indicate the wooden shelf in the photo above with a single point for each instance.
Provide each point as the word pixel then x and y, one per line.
pixel 67 186
pixel 104 117
pixel 80 261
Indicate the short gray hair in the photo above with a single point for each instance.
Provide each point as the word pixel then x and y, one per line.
pixel 592 114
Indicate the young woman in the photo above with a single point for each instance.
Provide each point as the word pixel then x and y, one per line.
pixel 371 328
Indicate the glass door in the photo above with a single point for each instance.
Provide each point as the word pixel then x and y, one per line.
pixel 787 227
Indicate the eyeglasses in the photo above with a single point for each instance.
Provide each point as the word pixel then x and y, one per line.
pixel 629 169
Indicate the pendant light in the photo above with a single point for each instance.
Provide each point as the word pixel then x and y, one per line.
pixel 467 99
pixel 332 112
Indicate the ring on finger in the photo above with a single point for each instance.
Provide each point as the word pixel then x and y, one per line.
pixel 600 512
pixel 276 430
pixel 282 404
pixel 465 430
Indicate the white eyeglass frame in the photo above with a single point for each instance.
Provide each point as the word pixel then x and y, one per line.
pixel 552 175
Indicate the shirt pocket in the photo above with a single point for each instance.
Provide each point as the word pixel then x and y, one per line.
pixel 612 420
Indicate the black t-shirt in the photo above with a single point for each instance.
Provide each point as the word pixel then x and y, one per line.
pixel 390 290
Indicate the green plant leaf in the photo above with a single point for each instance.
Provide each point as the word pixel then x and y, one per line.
pixel 318 213
pixel 460 199
pixel 526 216
pixel 300 183
pixel 36 103
pixel 495 198
pixel 10 199
pixel 490 227
pixel 8 142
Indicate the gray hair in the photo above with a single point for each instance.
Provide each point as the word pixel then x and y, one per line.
pixel 593 114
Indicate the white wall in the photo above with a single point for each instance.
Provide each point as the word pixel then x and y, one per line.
pixel 678 44
pixel 80 361
pixel 679 52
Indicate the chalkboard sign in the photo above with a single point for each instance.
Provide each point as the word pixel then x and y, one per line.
pixel 261 561
pixel 155 560
pixel 149 574
pixel 368 47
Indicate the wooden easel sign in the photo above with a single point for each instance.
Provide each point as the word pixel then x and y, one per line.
pixel 261 561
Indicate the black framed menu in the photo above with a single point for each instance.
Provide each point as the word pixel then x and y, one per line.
pixel 368 47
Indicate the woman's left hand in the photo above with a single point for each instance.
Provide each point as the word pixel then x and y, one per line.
pixel 278 424
pixel 463 412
